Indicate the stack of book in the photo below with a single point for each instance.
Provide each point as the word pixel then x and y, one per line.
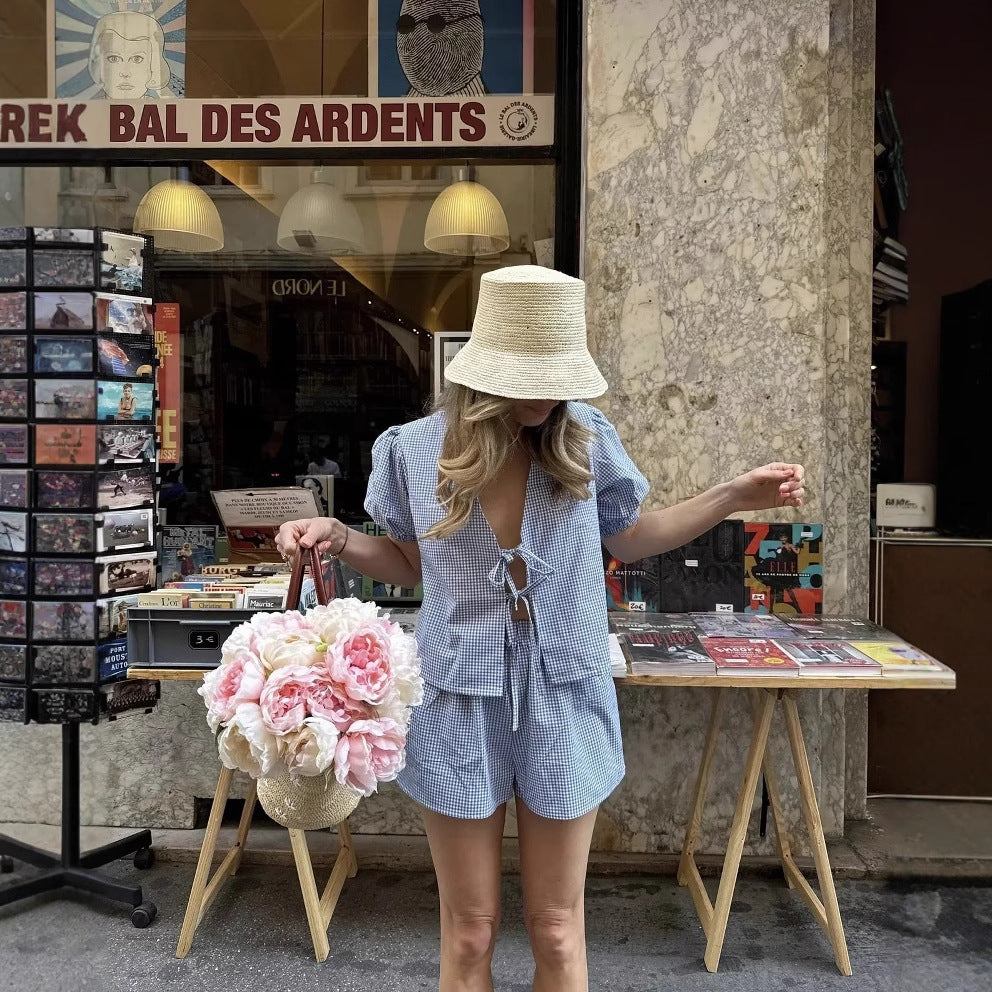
pixel 763 645
pixel 890 279
pixel 661 644
pixel 223 587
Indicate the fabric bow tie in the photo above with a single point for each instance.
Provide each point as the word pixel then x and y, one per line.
pixel 537 571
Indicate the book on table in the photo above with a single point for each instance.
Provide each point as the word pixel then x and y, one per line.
pixel 662 644
pixel 743 625
pixel 618 660
pixel 705 575
pixel 899 659
pixel 753 656
pixel 840 628
pixel 834 658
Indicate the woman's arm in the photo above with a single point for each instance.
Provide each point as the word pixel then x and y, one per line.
pixel 382 558
pixel 657 531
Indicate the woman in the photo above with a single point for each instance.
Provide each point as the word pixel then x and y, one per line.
pixel 127 404
pixel 498 502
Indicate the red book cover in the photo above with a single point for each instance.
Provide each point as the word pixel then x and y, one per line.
pixel 754 655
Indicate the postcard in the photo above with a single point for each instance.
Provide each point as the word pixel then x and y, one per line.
pixel 64 444
pixel 125 444
pixel 63 577
pixel 54 663
pixel 63 268
pixel 13 619
pixel 63 490
pixel 126 573
pixel 13 444
pixel 63 533
pixel 129 356
pixel 14 398
pixel 63 620
pixel 13 267
pixel 64 399
pixel 13 576
pixel 64 235
pixel 14 487
pixel 13 311
pixel 122 262
pixel 13 531
pixel 62 354
pixel 124 401
pixel 63 311
pixel 124 314
pixel 125 529
pixel 121 488
pixel 14 353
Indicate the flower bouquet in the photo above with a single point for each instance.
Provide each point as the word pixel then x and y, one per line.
pixel 315 706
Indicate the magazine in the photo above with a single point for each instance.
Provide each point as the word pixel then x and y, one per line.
pixel 834 658
pixel 185 549
pixel 899 659
pixel 755 656
pixel 742 625
pixel 631 586
pixel 823 628
pixel 663 644
pixel 707 574
pixel 783 568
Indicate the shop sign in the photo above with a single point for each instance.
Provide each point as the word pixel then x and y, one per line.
pixel 484 121
pixel 308 286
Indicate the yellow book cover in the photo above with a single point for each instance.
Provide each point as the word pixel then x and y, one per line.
pixel 212 601
pixel 896 656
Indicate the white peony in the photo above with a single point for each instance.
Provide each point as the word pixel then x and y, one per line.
pixel 310 750
pixel 263 746
pixel 340 616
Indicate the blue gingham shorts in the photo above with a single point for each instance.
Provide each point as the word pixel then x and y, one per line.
pixel 556 746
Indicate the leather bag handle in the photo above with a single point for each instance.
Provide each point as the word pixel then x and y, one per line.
pixel 304 557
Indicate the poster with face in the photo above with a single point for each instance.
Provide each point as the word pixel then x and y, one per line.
pixel 118 49
pixel 435 48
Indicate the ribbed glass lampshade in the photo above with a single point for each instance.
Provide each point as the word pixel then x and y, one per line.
pixel 180 217
pixel 466 219
pixel 318 220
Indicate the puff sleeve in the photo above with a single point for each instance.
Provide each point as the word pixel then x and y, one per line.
pixel 620 487
pixel 388 500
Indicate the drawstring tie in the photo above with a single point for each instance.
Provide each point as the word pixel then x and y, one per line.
pixel 500 576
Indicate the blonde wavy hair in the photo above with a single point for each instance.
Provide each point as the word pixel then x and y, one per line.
pixel 480 435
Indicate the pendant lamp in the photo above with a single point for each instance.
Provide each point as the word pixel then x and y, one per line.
pixel 466 219
pixel 318 220
pixel 180 216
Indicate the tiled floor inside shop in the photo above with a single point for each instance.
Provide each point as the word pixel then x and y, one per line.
pixel 916 908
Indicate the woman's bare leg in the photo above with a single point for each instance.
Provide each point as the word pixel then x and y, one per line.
pixel 554 855
pixel 467 859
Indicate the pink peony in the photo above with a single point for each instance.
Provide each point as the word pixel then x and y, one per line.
pixel 328 700
pixel 284 698
pixel 371 752
pixel 236 681
pixel 359 662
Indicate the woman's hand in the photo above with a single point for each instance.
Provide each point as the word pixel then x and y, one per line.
pixel 770 486
pixel 322 533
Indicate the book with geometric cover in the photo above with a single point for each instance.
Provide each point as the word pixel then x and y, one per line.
pixel 752 655
pixel 835 658
pixel 850 628
pixel 631 586
pixel 783 568
pixel 707 574
pixel 899 659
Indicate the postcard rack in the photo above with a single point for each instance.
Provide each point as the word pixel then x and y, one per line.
pixel 78 474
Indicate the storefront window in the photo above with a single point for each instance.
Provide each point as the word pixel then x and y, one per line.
pixel 295 357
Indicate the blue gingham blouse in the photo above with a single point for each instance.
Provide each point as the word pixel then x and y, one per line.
pixel 469 595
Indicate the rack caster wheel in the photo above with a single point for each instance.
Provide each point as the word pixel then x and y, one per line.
pixel 142 916
pixel 144 857
pixel 6 864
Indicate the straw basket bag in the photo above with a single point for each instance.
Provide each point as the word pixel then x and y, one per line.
pixel 311 802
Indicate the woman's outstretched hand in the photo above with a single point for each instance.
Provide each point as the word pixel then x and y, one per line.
pixel 773 485
pixel 318 532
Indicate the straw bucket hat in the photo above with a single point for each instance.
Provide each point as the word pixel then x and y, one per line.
pixel 529 338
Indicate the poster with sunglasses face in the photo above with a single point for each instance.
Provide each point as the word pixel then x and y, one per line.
pixel 432 48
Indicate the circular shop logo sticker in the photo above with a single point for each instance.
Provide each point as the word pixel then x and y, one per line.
pixel 518 120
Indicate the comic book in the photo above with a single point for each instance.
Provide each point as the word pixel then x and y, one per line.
pixel 783 568
pixel 631 586
pixel 835 658
pixel 662 643
pixel 705 575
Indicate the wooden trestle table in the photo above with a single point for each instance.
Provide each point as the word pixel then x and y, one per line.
pixel 765 692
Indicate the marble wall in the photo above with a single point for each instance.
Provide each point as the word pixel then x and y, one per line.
pixel 727 257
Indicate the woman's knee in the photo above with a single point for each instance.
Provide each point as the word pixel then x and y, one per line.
pixel 471 937
pixel 557 935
